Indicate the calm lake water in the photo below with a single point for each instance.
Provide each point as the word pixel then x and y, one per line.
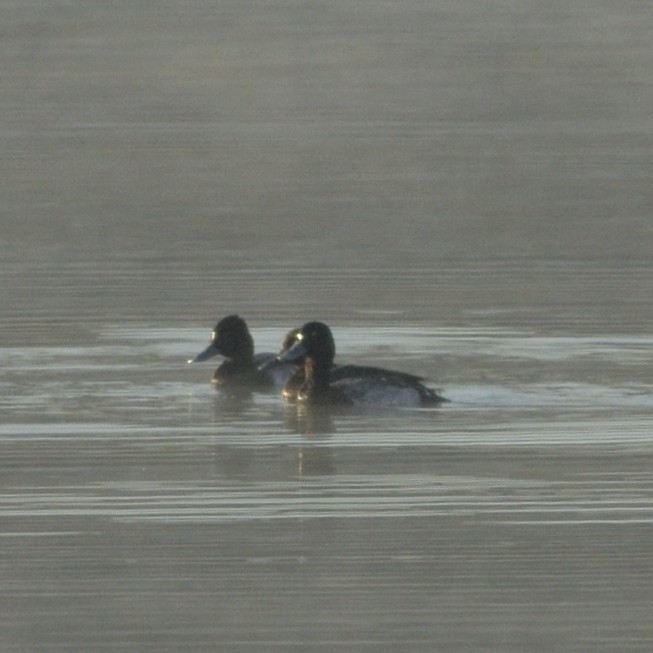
pixel 462 190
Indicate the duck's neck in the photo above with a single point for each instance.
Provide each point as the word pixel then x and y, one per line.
pixel 244 361
pixel 234 369
pixel 316 378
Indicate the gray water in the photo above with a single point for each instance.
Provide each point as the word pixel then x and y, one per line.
pixel 461 190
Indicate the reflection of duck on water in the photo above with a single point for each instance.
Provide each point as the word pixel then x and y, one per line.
pixel 315 424
pixel 315 461
pixel 322 383
pixel 242 368
pixel 312 421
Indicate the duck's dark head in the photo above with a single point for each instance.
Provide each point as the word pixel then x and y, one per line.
pixel 230 338
pixel 315 341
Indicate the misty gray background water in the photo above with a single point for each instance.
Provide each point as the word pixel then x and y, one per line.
pixel 461 189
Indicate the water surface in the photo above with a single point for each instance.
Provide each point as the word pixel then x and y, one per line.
pixel 462 190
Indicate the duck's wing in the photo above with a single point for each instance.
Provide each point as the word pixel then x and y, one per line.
pixel 363 378
pixel 340 372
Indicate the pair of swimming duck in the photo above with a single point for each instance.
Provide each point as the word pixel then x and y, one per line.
pixel 305 369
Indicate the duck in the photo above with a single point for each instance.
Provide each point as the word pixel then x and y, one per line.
pixel 322 382
pixel 293 385
pixel 243 368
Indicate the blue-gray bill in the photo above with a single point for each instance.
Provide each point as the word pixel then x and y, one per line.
pixel 294 354
pixel 209 352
